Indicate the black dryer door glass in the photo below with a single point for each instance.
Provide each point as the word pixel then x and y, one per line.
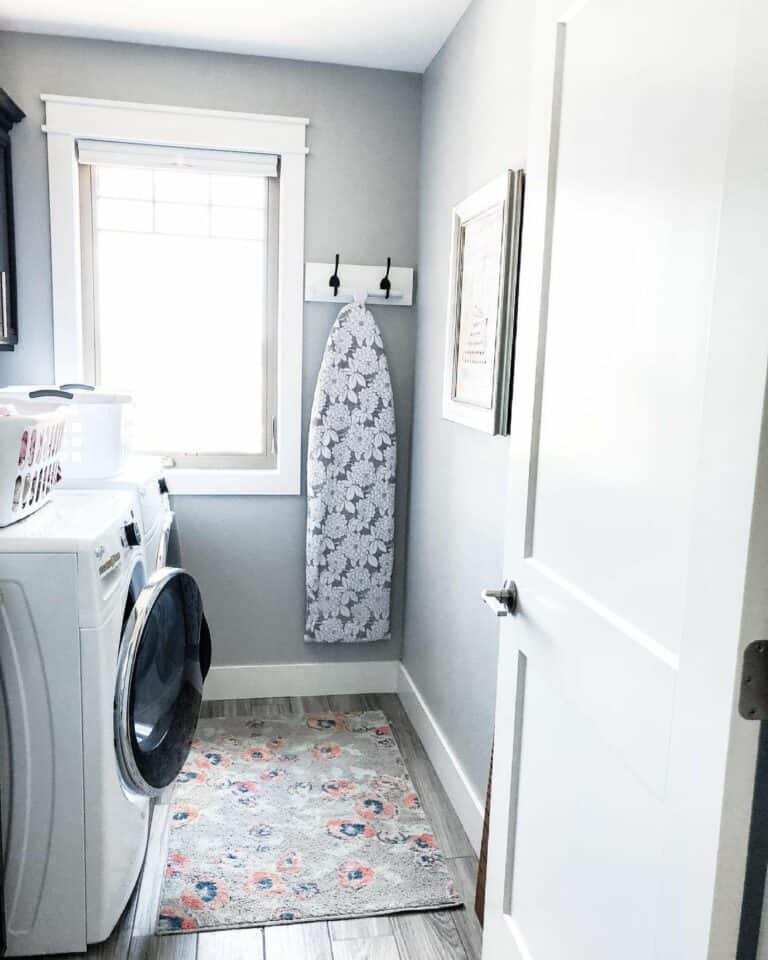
pixel 160 681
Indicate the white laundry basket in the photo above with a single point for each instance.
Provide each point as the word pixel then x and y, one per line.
pixel 99 431
pixel 97 438
pixel 30 460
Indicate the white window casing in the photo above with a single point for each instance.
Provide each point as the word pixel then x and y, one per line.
pixel 86 131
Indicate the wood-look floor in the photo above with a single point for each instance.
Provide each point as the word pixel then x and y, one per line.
pixel 437 935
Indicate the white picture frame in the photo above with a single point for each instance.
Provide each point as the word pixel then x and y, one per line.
pixel 482 303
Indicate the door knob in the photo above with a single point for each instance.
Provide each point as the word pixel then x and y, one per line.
pixel 502 602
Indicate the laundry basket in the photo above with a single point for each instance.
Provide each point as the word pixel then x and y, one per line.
pixel 30 460
pixel 97 437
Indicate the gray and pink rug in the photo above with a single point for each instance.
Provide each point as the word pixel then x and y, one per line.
pixel 297 818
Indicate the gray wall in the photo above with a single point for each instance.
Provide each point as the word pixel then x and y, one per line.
pixel 248 553
pixel 474 126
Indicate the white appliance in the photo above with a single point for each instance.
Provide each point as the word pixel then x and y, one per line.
pixel 102 673
pixel 144 478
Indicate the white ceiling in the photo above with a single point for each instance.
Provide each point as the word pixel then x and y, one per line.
pixel 395 34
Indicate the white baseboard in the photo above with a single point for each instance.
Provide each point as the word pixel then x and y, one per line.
pixel 301 679
pixel 467 804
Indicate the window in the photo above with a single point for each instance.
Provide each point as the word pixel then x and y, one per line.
pixel 179 271
pixel 177 249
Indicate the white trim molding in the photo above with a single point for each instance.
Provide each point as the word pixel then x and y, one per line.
pixel 69 119
pixel 469 807
pixel 157 123
pixel 301 679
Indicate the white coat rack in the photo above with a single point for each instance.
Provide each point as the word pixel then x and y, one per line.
pixel 347 282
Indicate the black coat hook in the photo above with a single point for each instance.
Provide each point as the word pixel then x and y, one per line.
pixel 386 283
pixel 334 281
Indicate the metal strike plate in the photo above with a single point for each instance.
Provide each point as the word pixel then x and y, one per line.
pixel 753 696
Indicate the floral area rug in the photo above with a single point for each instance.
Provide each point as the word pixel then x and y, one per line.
pixel 297 818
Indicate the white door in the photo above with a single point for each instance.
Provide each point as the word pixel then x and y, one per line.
pixel 621 769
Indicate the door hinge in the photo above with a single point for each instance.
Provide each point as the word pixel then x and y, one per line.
pixel 274 435
pixel 753 696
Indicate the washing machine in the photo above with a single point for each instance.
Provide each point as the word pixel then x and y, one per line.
pixel 102 672
pixel 144 478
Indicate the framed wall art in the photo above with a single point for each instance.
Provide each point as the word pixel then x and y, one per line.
pixel 482 304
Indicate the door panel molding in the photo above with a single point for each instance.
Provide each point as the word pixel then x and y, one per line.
pixel 619 800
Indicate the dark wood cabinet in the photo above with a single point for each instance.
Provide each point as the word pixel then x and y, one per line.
pixel 10 114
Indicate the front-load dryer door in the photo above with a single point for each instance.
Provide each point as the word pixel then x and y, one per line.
pixel 163 659
pixel 165 540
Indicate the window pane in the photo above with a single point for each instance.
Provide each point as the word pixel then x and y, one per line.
pixel 181 324
pixel 238 191
pixel 129 183
pixel 181 314
pixel 231 222
pixel 182 186
pixel 184 218
pixel 133 215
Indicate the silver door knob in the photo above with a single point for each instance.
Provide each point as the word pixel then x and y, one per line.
pixel 502 602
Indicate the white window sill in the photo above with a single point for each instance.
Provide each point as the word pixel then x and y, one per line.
pixel 232 483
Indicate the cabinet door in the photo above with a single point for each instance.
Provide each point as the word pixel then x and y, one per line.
pixel 8 332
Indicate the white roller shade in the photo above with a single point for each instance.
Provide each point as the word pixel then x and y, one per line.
pixel 113 153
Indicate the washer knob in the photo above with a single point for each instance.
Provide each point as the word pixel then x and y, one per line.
pixel 132 534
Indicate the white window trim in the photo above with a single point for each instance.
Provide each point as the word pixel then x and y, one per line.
pixel 69 119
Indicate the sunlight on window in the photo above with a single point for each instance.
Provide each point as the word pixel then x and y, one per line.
pixel 180 284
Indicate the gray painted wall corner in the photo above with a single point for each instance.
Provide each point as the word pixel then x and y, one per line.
pixel 474 126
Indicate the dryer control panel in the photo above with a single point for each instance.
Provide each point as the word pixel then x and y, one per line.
pixel 90 526
pixel 110 552
pixel 104 568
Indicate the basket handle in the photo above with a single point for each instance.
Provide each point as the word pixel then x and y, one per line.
pixel 60 394
pixel 77 386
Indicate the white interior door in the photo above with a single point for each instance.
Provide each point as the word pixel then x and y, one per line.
pixel 621 771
